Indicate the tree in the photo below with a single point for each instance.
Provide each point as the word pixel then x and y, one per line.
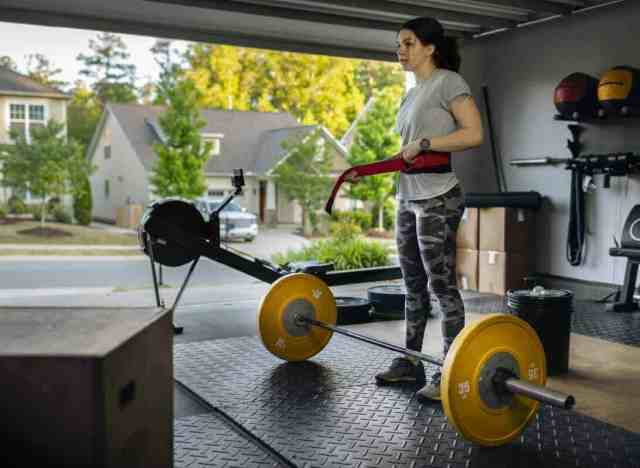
pixel 304 175
pixel 46 167
pixel 83 114
pixel 376 140
pixel 314 89
pixel 373 77
pixel 169 60
pixel 113 77
pixel 42 70
pixel 8 62
pixel 178 170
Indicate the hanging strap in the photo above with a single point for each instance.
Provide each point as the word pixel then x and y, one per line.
pixel 575 234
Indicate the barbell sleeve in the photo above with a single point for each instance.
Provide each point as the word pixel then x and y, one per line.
pixel 539 393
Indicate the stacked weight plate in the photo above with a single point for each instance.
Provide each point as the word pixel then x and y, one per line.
pixel 549 312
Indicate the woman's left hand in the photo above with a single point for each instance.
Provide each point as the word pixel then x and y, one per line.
pixel 410 151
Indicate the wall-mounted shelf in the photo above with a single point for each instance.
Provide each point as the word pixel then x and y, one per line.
pixel 602 116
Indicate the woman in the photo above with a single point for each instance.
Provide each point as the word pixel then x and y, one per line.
pixel 438 114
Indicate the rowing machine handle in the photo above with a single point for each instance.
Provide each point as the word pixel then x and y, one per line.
pixel 430 160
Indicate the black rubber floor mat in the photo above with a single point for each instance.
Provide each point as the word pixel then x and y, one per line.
pixel 239 370
pixel 384 426
pixel 326 412
pixel 592 319
pixel 207 440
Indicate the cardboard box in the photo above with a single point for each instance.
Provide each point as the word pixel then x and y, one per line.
pixel 87 387
pixel 467 235
pixel 507 229
pixel 500 271
pixel 467 269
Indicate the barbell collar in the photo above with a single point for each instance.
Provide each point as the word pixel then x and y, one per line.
pixel 383 344
pixel 518 386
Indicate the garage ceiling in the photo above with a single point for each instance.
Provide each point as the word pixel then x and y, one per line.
pixel 349 28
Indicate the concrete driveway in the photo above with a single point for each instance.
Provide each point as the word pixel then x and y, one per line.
pixel 271 240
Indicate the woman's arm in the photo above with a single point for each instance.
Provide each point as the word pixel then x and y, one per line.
pixel 468 135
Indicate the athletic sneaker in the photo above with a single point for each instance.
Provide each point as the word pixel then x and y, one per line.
pixel 402 370
pixel 431 391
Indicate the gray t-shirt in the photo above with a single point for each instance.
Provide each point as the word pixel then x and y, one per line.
pixel 425 113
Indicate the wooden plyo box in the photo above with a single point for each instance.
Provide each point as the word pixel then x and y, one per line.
pixel 87 387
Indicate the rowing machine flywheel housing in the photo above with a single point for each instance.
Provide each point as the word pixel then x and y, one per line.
pixel 152 232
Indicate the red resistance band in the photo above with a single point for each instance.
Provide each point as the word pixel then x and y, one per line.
pixel 424 163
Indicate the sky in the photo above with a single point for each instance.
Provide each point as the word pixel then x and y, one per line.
pixel 62 45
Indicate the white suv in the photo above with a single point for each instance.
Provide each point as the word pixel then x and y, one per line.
pixel 235 222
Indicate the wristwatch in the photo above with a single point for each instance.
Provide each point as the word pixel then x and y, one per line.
pixel 425 144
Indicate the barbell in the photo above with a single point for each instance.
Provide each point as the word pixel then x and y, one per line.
pixel 493 377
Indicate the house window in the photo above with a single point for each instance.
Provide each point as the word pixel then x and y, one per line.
pixel 17 112
pixel 106 189
pixel 24 117
pixel 215 144
pixel 215 193
pixel 107 152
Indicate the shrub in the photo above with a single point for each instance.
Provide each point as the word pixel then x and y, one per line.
pixel 344 230
pixel 3 211
pixel 60 215
pixel 16 205
pixel 36 211
pixel 351 254
pixel 389 216
pixel 359 217
pixel 83 204
pixel 52 203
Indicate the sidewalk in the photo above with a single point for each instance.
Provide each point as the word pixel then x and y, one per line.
pixel 66 247
pixel 193 296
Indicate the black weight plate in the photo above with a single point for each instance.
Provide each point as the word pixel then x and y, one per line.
pixel 387 301
pixel 352 310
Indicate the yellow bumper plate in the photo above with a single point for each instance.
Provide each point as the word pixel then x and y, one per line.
pixel 290 296
pixel 468 356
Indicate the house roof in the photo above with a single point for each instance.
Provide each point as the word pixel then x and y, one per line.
pixel 270 146
pixel 16 84
pixel 251 140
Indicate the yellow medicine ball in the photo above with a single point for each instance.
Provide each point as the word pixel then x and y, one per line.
pixel 619 90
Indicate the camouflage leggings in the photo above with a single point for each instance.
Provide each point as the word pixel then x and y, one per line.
pixel 426 239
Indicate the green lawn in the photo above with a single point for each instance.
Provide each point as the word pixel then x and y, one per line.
pixel 60 234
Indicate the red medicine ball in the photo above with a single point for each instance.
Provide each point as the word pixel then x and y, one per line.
pixel 577 96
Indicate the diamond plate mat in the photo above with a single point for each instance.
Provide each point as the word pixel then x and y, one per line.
pixel 327 412
pixel 369 426
pixel 589 318
pixel 207 440
pixel 239 370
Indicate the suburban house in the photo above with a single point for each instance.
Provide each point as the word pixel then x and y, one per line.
pixel 26 104
pixel 122 152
